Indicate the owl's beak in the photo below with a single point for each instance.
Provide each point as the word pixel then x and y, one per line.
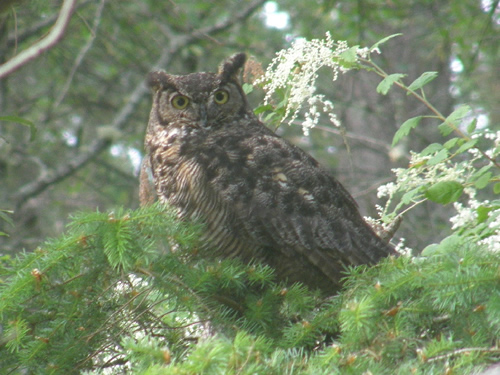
pixel 203 116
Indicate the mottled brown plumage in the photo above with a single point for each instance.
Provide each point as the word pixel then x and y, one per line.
pixel 259 196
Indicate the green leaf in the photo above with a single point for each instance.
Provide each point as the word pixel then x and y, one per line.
pixel 383 40
pixel 483 181
pixel 21 121
pixel 472 126
pixel 439 157
pixel 350 55
pixel 458 113
pixel 482 170
pixel 421 81
pixel 451 143
pixel 449 243
pixel 430 250
pixel 444 192
pixel 496 188
pixel 482 177
pixel 263 108
pixel 270 117
pixel 384 86
pixel 467 145
pixel 445 129
pixel 407 197
pixel 247 88
pixel 431 149
pixel 405 128
pixel 482 213
pixel 452 121
pixel 6 218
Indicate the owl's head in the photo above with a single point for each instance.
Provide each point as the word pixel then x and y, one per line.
pixel 199 100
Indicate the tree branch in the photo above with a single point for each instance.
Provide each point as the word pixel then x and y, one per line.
pixel 83 52
pixel 15 38
pixel 46 43
pixel 230 21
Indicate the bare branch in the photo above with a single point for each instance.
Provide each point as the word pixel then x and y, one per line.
pixel 37 186
pixel 83 52
pixel 16 37
pixel 46 43
pixel 373 143
pixel 230 21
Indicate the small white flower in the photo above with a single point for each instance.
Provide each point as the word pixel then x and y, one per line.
pixel 386 190
pixel 466 216
pixel 295 69
pixel 492 243
pixel 402 249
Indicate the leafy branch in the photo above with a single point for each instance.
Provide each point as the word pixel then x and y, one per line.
pixel 449 124
pixel 436 173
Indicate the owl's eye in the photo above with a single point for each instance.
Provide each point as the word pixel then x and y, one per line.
pixel 221 96
pixel 180 101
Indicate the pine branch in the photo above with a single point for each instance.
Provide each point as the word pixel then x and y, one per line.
pixel 494 350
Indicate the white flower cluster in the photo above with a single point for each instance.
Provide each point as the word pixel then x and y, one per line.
pixel 415 177
pixel 402 249
pixel 411 184
pixel 492 242
pixel 387 190
pixel 296 69
pixel 466 215
pixel 467 218
pixel 495 137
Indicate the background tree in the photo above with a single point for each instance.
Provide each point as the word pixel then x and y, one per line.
pixel 108 295
pixel 86 98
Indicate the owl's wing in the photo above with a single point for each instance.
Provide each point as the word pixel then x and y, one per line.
pixel 295 207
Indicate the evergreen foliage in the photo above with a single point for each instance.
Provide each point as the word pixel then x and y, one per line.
pixel 113 294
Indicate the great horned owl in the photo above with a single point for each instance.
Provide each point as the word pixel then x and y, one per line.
pixel 259 197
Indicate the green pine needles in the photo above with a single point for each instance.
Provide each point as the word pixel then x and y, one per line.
pixel 65 301
pixel 114 294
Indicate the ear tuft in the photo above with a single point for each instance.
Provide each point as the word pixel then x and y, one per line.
pixel 230 68
pixel 158 80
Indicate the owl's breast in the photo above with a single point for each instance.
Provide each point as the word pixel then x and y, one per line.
pixel 189 176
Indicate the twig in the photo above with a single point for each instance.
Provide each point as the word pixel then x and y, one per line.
pixel 81 55
pixel 222 26
pixel 463 350
pixel 46 43
pixel 37 186
pixel 370 141
pixel 16 38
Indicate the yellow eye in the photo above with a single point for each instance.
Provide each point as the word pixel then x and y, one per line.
pixel 221 96
pixel 180 101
